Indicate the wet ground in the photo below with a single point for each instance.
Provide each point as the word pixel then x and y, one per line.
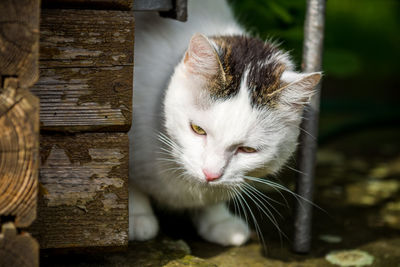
pixel 357 222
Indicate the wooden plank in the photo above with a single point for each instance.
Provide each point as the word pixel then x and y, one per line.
pixel 17 249
pixel 19 146
pixel 89 4
pixel 85 99
pixel 86 69
pixel 19 40
pixel 86 38
pixel 83 199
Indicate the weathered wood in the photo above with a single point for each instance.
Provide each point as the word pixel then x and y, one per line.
pixel 19 40
pixel 83 199
pixel 17 249
pixel 89 4
pixel 19 146
pixel 86 70
pixel 19 130
pixel 85 99
pixel 86 38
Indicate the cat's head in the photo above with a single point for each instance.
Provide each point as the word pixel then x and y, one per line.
pixel 233 107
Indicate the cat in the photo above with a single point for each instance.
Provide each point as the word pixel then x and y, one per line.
pixel 213 108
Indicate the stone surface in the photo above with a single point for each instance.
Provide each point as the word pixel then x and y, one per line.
pixel 350 258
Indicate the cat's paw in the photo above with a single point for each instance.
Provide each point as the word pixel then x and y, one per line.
pixel 229 232
pixel 145 227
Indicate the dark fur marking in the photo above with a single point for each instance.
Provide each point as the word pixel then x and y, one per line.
pixel 235 54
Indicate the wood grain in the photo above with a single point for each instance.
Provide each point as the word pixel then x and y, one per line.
pixel 83 199
pixel 17 249
pixel 86 69
pixel 19 146
pixel 19 40
pixel 89 4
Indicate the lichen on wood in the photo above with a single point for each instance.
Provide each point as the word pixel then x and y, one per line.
pixel 83 190
pixel 79 99
pixel 67 183
pixel 86 69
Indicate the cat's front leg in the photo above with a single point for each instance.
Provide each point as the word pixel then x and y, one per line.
pixel 143 224
pixel 218 225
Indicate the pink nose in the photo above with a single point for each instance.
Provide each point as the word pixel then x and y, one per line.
pixel 210 176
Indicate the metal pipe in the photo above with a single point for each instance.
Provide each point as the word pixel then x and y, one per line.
pixel 312 61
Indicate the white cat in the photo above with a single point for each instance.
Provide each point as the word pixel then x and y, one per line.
pixel 213 107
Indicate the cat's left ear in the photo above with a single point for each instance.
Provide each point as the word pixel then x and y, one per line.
pixel 299 87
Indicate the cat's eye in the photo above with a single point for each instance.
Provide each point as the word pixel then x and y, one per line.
pixel 197 129
pixel 247 149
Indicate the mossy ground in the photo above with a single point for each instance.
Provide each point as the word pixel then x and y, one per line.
pixel 357 189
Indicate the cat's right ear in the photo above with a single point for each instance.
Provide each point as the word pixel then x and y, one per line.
pixel 201 57
pixel 299 88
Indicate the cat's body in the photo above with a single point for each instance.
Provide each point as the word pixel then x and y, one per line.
pixel 232 107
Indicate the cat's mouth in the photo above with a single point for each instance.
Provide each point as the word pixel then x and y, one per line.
pixel 223 182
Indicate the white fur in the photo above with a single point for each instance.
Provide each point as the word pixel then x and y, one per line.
pixel 216 224
pixel 177 181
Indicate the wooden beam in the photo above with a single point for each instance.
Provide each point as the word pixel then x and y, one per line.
pixel 17 249
pixel 19 130
pixel 89 4
pixel 19 143
pixel 83 199
pixel 19 43
pixel 19 40
pixel 86 38
pixel 86 69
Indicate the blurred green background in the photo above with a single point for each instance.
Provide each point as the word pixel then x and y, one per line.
pixel 361 57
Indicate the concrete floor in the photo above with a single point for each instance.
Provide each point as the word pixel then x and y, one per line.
pixel 357 186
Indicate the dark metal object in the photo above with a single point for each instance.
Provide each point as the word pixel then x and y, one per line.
pixel 178 12
pixel 312 61
pixel 152 5
pixel 175 9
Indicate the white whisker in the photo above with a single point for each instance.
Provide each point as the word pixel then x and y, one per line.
pixel 257 227
pixel 283 188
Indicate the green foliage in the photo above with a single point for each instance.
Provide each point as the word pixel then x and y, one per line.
pixel 278 20
pixel 361 36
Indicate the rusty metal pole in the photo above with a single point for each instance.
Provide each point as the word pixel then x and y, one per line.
pixel 312 61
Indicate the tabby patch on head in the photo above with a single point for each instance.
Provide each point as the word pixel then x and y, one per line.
pixel 239 54
pixel 224 60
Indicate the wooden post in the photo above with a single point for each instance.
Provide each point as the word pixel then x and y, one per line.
pixel 85 92
pixel 17 249
pixel 312 61
pixel 19 130
pixel 86 70
pixel 19 124
pixel 83 198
